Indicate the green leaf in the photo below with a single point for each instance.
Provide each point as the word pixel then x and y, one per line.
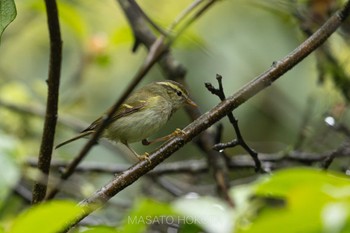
pixel 145 213
pixel 101 229
pixel 211 214
pixel 286 181
pixel 71 17
pixel 189 228
pixel 9 169
pixel 68 15
pixel 306 200
pixel 7 13
pixel 50 217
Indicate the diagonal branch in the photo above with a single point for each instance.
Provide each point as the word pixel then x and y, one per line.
pixel 53 82
pixel 264 80
pixel 176 71
pixel 158 51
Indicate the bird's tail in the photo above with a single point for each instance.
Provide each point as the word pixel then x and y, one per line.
pixel 81 135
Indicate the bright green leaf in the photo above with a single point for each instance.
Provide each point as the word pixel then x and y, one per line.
pixel 283 182
pixel 101 229
pixel 7 13
pixel 71 17
pixel 8 167
pixel 306 200
pixel 50 217
pixel 189 228
pixel 121 35
pixel 148 212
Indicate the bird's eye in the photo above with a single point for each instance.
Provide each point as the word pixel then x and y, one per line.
pixel 179 93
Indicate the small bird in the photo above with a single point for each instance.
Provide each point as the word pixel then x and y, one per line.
pixel 142 114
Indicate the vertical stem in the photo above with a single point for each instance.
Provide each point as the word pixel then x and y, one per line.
pixel 53 82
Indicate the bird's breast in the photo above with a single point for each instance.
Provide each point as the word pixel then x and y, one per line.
pixel 141 124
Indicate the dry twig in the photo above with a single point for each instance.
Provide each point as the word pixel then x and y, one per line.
pixel 239 141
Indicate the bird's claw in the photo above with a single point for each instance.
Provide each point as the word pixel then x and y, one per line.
pixel 145 156
pixel 178 132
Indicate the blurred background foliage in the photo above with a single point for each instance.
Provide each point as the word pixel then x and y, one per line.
pixel 238 39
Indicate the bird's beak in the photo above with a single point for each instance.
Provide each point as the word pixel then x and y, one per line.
pixel 191 102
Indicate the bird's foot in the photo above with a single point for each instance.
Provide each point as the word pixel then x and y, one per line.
pixel 177 132
pixel 145 156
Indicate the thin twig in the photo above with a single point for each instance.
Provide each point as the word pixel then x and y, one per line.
pixel 201 166
pixel 183 15
pixel 269 162
pixel 341 128
pixel 188 166
pixel 167 185
pixel 148 19
pixel 53 82
pixel 132 10
pixel 343 150
pixel 23 192
pixel 239 141
pixel 193 18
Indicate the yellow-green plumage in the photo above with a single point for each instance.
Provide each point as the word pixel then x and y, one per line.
pixel 145 112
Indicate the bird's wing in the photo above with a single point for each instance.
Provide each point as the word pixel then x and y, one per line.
pixel 125 109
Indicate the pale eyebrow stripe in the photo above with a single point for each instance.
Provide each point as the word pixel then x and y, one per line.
pixel 173 86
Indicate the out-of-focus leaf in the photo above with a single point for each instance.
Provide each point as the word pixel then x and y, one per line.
pixel 8 167
pixel 69 16
pixel 284 182
pixel 101 229
pixel 103 60
pixel 145 213
pixel 211 214
pixel 7 14
pixel 305 200
pixel 184 215
pixel 190 228
pixel 50 217
pixel 121 35
pixel 191 40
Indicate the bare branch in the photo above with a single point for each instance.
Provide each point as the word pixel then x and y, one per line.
pixel 343 150
pixel 184 14
pixel 53 82
pixel 239 141
pixel 193 18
